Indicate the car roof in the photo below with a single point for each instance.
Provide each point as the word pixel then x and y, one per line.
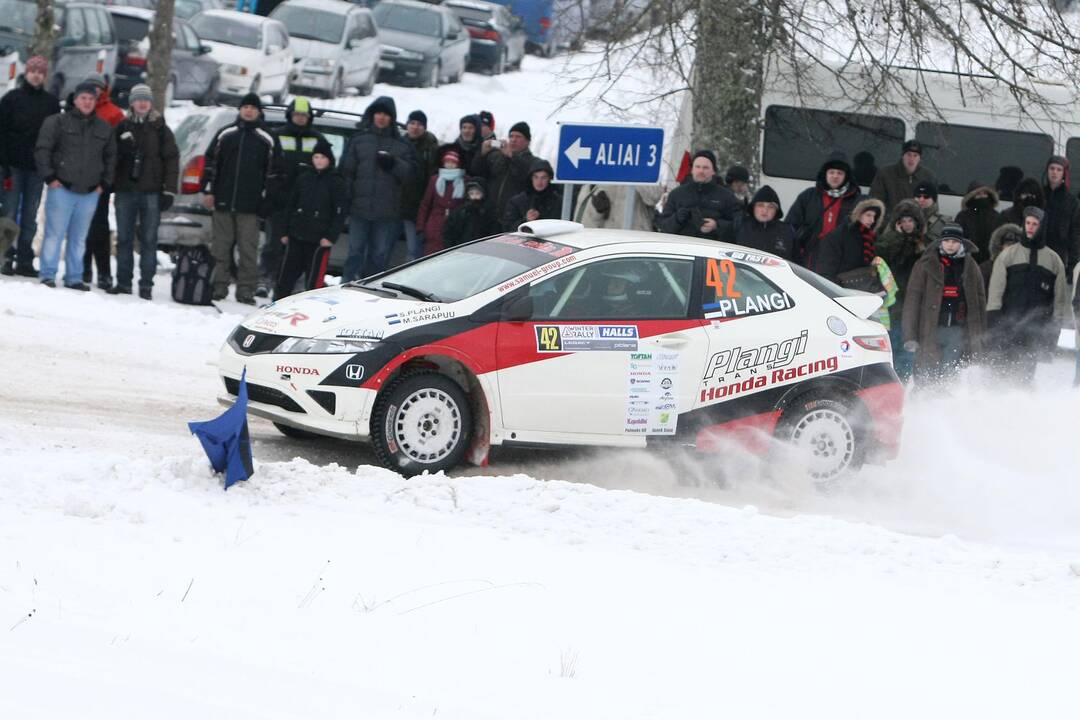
pixel 241 17
pixel 128 11
pixel 472 4
pixel 414 4
pixel 584 238
pixel 338 7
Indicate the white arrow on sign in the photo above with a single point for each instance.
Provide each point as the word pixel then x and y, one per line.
pixel 575 153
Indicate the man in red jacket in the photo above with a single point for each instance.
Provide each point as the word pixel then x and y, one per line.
pixel 98 240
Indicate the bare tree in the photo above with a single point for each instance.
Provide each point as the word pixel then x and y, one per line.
pixel 44 30
pixel 159 63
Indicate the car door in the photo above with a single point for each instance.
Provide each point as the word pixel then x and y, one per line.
pixel 183 64
pixel 279 59
pixel 203 66
pixel 368 54
pixel 611 348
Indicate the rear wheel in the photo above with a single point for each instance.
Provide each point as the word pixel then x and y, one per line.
pixel 825 433
pixel 433 76
pixel 368 87
pixel 422 421
pixel 337 89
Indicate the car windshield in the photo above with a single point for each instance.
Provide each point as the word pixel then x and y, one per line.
pixel 308 24
pixel 407 19
pixel 218 29
pixel 470 14
pixel 130 29
pixel 187 9
pixel 17 16
pixel 473 268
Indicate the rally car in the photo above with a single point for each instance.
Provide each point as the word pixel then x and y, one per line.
pixel 558 335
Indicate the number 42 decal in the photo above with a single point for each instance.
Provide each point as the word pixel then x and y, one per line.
pixel 721 277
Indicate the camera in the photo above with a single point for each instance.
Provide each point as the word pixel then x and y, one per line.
pixel 136 165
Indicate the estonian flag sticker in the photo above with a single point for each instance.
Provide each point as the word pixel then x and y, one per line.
pixel 393 319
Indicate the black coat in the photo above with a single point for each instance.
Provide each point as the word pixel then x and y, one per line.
pixel 549 203
pixel 376 192
pixel 807 215
pixel 297 144
pixel 153 140
pixel 775 236
pixel 506 176
pixel 471 221
pixel 690 204
pixel 1062 221
pixel 426 148
pixel 22 112
pixel 78 150
pixel 317 206
pixel 239 165
pixel 979 219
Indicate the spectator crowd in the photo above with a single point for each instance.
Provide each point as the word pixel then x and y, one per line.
pixel 988 285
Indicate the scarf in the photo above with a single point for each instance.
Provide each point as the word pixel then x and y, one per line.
pixel 832 202
pixel 868 236
pixel 455 176
pixel 953 305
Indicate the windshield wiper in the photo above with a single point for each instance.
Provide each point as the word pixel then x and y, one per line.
pixel 370 288
pixel 410 291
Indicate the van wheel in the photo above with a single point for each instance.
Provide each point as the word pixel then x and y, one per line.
pixel 210 98
pixel 369 87
pixel 433 77
pixel 826 434
pixel 421 421
pixel 296 433
pixel 338 88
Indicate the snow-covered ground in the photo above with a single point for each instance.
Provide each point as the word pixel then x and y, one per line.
pixel 598 585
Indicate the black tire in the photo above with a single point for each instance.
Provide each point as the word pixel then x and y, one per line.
pixel 433 78
pixel 338 88
pixel 368 87
pixel 421 421
pixel 499 66
pixel 827 434
pixel 296 433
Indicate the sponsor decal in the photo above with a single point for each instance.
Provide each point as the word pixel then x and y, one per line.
pixel 329 318
pixel 248 340
pixel 845 346
pixel 354 372
pixel 650 404
pixel 752 305
pixel 544 246
pixel 269 316
pixel 753 258
pixel 422 314
pixel 536 272
pixel 388 429
pixel 297 370
pixel 757 382
pixel 665 383
pixel 355 333
pixel 586 338
pixel 768 357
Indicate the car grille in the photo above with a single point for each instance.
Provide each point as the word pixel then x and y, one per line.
pixel 264 395
pixel 262 342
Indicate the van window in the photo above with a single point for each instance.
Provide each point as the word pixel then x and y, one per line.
pixel 308 24
pixel 798 141
pixel 94 34
pixel 131 29
pixel 76 26
pixel 962 155
pixel 1072 154
pixel 106 27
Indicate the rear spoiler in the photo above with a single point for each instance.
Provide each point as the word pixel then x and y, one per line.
pixel 862 305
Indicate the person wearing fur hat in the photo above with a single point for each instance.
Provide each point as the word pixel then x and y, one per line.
pixel 428 153
pixel 1006 235
pixel 542 201
pixel 897 182
pixel 700 206
pixel 820 209
pixel 314 218
pixel 506 165
pixel 900 246
pixel 147 173
pixel 22 113
pixel 737 180
pixel 853 245
pixel 444 194
pixel 944 319
pixel 473 220
pixel 979 217
pixel 761 226
pixel 926 197
pixel 1062 221
pixel 1028 193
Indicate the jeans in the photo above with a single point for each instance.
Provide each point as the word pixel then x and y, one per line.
pixel 21 204
pixel 132 207
pixel 414 240
pixel 370 243
pixel 67 214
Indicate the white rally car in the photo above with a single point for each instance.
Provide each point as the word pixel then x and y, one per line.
pixel 560 335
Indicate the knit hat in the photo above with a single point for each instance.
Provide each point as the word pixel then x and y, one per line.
pixel 767 195
pixel 141 92
pixel 952 232
pixel 926 188
pixel 1057 160
pixel 452 155
pixel 473 120
pixel 251 99
pixel 521 127
pixel 912 146
pixel 323 147
pixel 708 155
pixel 300 105
pixel 487 118
pixel 419 116
pixel 1035 212
pixel 736 173
pixel 37 64
pixel 85 87
pixel 477 183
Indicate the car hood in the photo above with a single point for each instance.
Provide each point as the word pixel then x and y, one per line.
pixel 235 55
pixel 409 41
pixel 346 314
pixel 303 48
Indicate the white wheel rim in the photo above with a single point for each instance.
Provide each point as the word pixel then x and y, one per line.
pixel 427 427
pixel 826 441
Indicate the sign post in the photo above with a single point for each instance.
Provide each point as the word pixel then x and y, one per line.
pixel 609 155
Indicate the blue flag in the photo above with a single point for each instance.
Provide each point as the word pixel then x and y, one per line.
pixel 225 439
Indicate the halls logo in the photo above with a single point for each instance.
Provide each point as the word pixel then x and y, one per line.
pixel 618 331
pixel 296 370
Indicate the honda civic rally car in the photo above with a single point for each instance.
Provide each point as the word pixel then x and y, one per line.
pixel 558 335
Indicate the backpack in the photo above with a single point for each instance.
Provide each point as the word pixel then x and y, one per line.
pixel 191 275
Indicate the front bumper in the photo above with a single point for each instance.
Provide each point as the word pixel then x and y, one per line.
pixel 410 71
pixel 237 86
pixel 301 78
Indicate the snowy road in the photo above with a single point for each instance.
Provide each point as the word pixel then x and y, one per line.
pixel 131 585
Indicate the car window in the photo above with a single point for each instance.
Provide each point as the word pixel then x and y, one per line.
pixel 731 289
pixel 106 27
pixel 75 28
pixel 94 35
pixel 280 38
pixel 20 16
pixel 190 38
pixel 453 28
pixel 408 19
pixel 617 289
pixel 365 26
pixel 217 29
pixel 308 24
pixel 130 29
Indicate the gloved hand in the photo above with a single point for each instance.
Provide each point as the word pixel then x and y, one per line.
pixel 911 346
pixel 165 201
pixel 683 215
pixel 384 160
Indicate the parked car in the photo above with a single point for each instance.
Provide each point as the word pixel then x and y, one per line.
pixel 85 44
pixel 570 23
pixel 497 38
pixel 194 72
pixel 335 46
pixel 421 44
pixel 254 52
pixel 187 9
pixel 539 19
pixel 11 67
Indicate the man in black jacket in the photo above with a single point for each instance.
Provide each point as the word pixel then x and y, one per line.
pixel 377 163
pixel 297 139
pixel 820 209
pixel 314 218
pixel 506 165
pixel 761 227
pixel 22 112
pixel 426 147
pixel 1061 224
pixel 147 170
pixel 699 207
pixel 542 201
pixel 239 163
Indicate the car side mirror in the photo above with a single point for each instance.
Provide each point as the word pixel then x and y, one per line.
pixel 271 49
pixel 355 43
pixel 520 309
pixel 205 49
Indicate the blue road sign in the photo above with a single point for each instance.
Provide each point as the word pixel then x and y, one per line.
pixel 610 154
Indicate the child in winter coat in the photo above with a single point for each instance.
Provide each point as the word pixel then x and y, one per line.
pixel 445 193
pixel 475 219
pixel 314 217
pixel 944 314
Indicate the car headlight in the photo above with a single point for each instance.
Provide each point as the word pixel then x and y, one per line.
pixel 311 345
pixel 411 55
pixel 233 69
pixel 323 63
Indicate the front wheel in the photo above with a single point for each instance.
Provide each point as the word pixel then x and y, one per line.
pixel 422 421
pixel 432 79
pixel 826 436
